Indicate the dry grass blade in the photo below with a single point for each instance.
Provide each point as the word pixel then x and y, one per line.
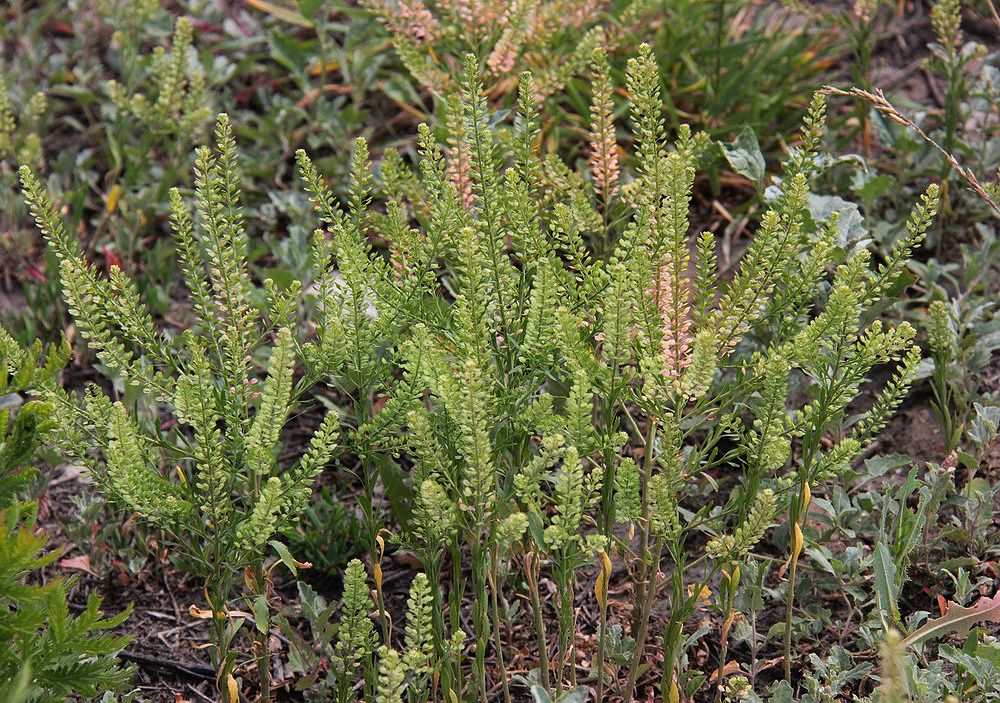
pixel 879 101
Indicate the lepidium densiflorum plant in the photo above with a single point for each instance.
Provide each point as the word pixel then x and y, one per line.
pixel 560 408
pixel 213 483
pixel 552 38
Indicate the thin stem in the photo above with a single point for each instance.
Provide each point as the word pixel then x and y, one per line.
pixel 789 602
pixel 260 648
pixel 724 644
pixel 799 508
pixel 480 619
pixel 495 613
pixel 602 641
pixel 880 103
pixel 531 572
pixel 643 625
pixel 644 524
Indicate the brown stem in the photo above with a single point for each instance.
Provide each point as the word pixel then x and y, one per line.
pixel 643 625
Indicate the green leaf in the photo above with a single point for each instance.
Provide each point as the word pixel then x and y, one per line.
pixel 261 619
pixel 290 53
pixel 904 280
pixel 310 8
pixel 782 693
pixel 540 695
pixel 285 556
pixel 880 465
pixel 885 579
pixel 537 529
pixel 397 489
pixel 744 156
pixel 285 14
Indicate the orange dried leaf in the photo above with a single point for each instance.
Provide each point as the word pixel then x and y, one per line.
pixel 957 620
pixel 78 563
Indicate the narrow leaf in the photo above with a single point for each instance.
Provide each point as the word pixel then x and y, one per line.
pixel 885 580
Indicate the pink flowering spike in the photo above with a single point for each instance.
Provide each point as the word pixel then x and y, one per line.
pixel 604 165
pixel 672 293
pixel 457 154
pixel 516 21
pixel 417 21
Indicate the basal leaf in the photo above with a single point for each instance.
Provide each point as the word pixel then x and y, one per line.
pixel 885 580
pixel 957 620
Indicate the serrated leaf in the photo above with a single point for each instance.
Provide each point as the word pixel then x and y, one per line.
pixel 958 620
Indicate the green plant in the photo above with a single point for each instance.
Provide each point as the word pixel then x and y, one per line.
pixel 20 141
pixel 863 24
pixel 176 111
pixel 553 39
pixel 214 485
pixel 22 123
pixel 116 147
pixel 557 394
pixel 155 115
pixel 952 143
pixel 732 64
pixel 346 645
pixel 328 535
pixel 48 654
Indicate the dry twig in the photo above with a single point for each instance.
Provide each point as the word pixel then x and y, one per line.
pixel 879 101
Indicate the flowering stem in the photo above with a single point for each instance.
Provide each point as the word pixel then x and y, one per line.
pixel 260 647
pixel 566 625
pixel 801 509
pixel 480 618
pixel 601 644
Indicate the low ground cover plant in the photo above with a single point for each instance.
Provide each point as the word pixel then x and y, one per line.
pixel 48 653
